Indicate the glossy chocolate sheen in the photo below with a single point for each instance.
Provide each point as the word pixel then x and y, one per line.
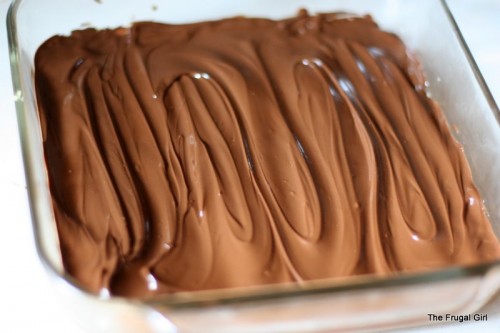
pixel 249 151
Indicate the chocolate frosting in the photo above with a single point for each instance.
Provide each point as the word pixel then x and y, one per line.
pixel 249 151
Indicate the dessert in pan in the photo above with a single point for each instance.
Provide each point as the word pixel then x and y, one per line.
pixel 248 151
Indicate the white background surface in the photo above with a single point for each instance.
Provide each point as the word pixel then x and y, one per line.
pixel 27 303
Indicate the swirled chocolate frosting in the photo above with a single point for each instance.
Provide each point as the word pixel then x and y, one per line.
pixel 247 151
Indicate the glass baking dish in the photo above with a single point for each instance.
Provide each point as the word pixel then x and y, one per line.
pixel 360 303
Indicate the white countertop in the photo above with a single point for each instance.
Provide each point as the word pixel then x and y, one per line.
pixel 27 303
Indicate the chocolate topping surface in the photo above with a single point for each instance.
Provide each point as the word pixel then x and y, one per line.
pixel 249 151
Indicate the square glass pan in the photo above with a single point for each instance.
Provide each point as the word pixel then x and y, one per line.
pixel 426 26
